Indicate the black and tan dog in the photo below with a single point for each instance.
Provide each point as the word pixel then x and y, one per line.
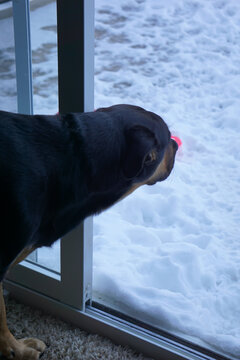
pixel 57 170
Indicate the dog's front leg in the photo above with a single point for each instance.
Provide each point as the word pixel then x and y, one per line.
pixel 10 348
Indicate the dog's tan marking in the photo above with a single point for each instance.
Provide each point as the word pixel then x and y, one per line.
pixel 23 254
pixel 10 348
pixel 165 166
pixel 132 189
pixel 162 170
pixel 153 155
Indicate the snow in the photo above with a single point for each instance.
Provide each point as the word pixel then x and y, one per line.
pixel 168 254
pixel 8 99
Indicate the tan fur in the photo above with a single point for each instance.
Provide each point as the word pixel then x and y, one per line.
pixel 23 255
pixel 23 349
pixel 163 168
pixel 161 171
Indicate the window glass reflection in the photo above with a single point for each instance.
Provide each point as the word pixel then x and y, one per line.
pixel 8 92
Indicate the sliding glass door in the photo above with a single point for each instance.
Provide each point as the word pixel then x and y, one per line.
pixel 159 271
pixel 168 255
pixel 46 71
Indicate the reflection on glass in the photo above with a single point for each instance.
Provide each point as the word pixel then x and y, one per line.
pixel 44 58
pixel 43 21
pixel 8 92
pixel 169 254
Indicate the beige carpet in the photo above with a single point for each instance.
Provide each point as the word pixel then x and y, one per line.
pixel 65 341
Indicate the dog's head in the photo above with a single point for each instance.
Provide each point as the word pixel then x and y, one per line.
pixel 149 151
pixel 135 147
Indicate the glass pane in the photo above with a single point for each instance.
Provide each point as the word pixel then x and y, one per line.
pixel 43 20
pixel 8 87
pixel 169 253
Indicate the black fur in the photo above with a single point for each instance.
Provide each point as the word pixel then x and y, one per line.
pixel 57 170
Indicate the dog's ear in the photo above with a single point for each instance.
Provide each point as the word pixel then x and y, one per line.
pixel 140 145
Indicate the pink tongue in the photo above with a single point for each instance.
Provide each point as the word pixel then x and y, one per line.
pixel 178 141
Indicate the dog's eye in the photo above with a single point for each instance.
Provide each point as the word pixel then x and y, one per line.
pixel 152 156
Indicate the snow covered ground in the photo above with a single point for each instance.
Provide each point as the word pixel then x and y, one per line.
pixel 170 253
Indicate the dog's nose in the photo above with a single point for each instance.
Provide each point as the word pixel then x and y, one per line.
pixel 175 145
